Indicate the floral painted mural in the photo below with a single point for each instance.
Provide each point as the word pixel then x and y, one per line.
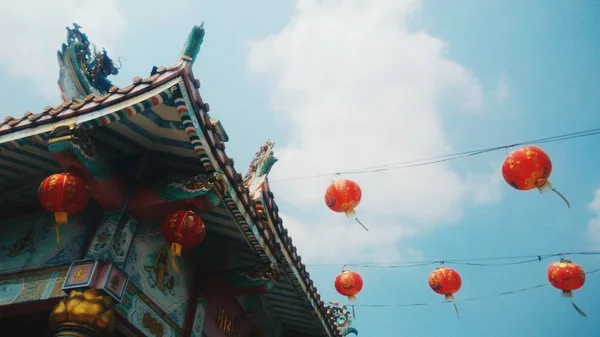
pixel 29 242
pixel 149 268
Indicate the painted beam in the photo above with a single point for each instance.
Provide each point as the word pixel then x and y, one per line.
pixel 31 288
pixel 200 192
pixel 113 238
pixel 236 282
pixel 75 152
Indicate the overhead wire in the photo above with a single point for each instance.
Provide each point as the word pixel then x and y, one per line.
pixel 448 157
pixel 523 259
pixel 459 300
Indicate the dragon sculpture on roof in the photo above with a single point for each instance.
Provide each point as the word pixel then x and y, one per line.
pixel 343 318
pixel 260 166
pixel 83 69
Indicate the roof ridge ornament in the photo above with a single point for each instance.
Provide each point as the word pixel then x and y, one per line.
pixel 342 317
pixel 192 45
pixel 260 166
pixel 83 69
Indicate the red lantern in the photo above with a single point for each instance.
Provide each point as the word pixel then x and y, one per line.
pixel 567 276
pixel 527 168
pixel 445 281
pixel 343 196
pixel 63 194
pixel 183 229
pixel 348 283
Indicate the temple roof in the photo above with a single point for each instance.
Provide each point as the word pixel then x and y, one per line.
pixel 90 102
pixel 253 208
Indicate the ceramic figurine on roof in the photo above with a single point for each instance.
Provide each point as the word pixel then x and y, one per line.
pixel 83 69
pixel 260 166
pixel 343 318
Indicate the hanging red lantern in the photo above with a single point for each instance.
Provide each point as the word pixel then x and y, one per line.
pixel 63 194
pixel 445 281
pixel 567 276
pixel 183 229
pixel 348 283
pixel 527 168
pixel 343 196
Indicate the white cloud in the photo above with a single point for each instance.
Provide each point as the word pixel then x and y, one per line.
pixel 486 188
pixel 322 241
pixel 502 88
pixel 33 31
pixel 360 89
pixel 594 224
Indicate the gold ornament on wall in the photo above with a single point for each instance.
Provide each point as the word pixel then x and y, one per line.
pixel 88 309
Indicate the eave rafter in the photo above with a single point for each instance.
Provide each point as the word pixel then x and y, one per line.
pixel 240 281
pixel 75 152
pixel 201 192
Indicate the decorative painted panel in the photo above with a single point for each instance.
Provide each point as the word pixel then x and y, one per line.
pixel 199 317
pixel 97 275
pixel 225 318
pixel 140 315
pixel 39 285
pixel 29 242
pixel 112 241
pixel 149 269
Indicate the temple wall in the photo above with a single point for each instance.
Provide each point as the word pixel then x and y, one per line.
pixel 138 313
pixel 225 314
pixel 33 266
pixel 149 269
pixel 28 242
pixel 263 313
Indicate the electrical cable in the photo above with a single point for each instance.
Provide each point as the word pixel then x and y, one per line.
pixel 449 157
pixel 469 299
pixel 465 261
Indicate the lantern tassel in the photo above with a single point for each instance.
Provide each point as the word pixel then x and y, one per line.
pixel 548 186
pixel 362 225
pixel 175 252
pixel 562 197
pixel 352 298
pixel 352 214
pixel 578 309
pixel 60 218
pixel 456 310
pixel 57 233
pixel 450 298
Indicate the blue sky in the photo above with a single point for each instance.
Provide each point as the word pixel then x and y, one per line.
pixel 345 84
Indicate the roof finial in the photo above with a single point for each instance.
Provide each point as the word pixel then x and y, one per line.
pixel 192 45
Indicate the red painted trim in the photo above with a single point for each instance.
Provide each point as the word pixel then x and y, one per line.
pixel 145 203
pixel 234 312
pixel 110 194
pixel 214 285
pixel 146 207
pixel 190 316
